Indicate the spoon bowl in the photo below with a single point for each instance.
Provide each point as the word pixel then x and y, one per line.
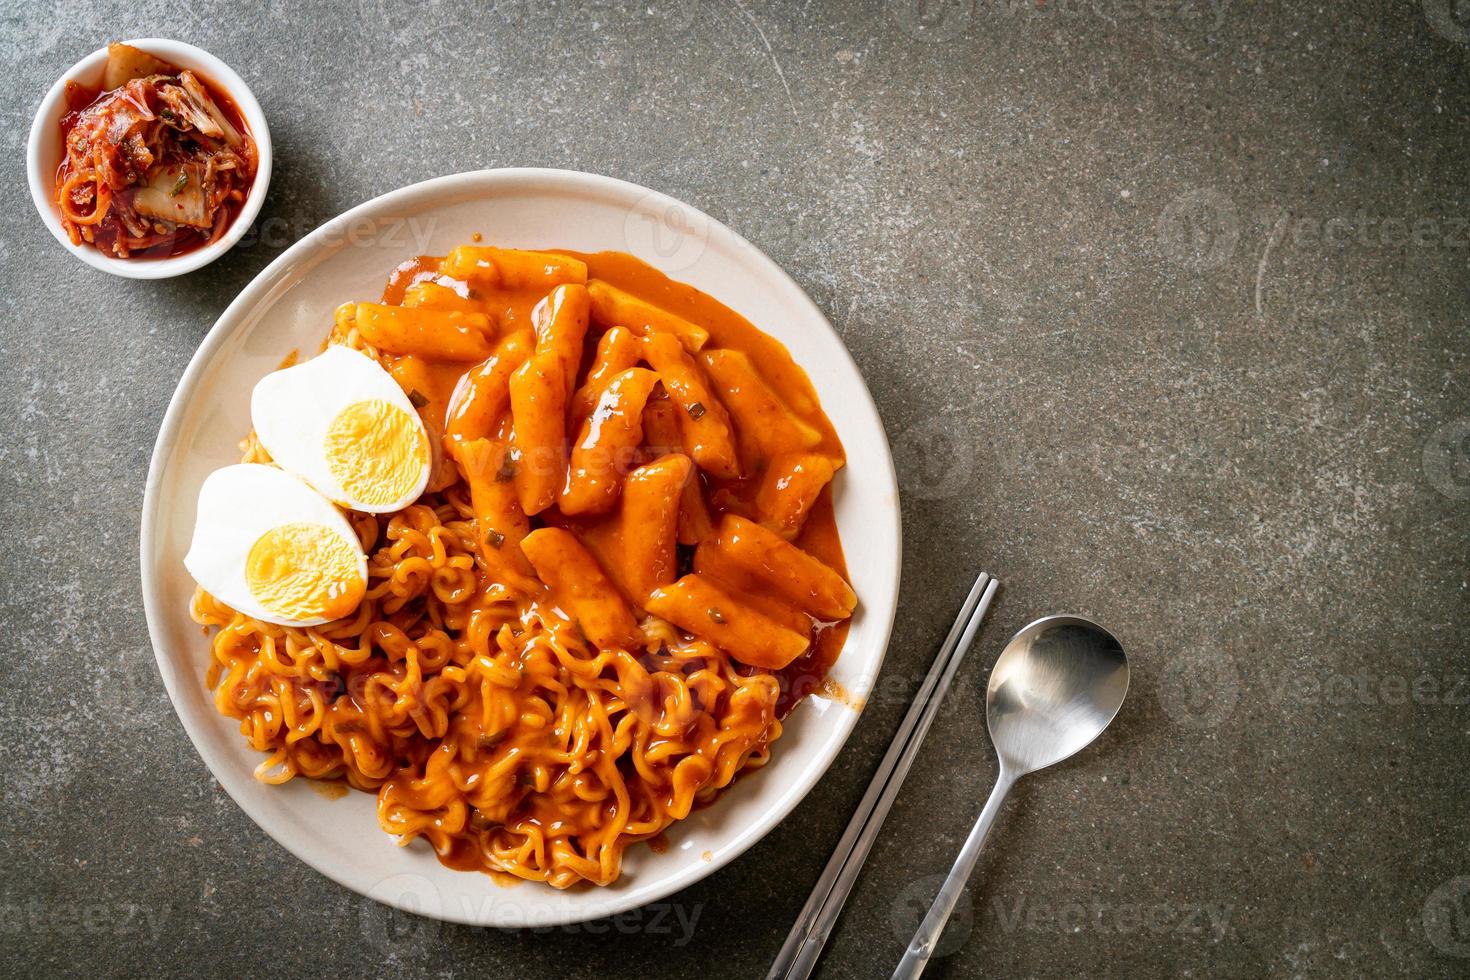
pixel 1057 685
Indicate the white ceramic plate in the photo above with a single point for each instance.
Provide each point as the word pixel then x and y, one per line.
pixel 290 305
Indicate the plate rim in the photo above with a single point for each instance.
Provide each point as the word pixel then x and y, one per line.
pixel 260 289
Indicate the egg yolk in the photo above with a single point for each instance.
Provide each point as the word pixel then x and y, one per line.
pixel 376 451
pixel 305 571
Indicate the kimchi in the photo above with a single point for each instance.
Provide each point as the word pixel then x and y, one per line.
pixel 158 162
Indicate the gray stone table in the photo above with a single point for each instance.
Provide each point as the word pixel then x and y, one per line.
pixel 1164 304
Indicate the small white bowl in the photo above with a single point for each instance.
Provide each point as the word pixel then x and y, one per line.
pixel 44 153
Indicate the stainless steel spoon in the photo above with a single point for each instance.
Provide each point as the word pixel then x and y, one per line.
pixel 1056 686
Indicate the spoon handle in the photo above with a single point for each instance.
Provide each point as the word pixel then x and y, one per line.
pixel 921 947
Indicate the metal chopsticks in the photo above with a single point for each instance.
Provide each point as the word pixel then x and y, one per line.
pixel 803 946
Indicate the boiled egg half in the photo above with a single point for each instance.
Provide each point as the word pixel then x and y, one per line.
pixel 341 423
pixel 269 546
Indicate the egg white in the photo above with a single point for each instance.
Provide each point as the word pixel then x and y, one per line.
pixel 238 504
pixel 292 409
